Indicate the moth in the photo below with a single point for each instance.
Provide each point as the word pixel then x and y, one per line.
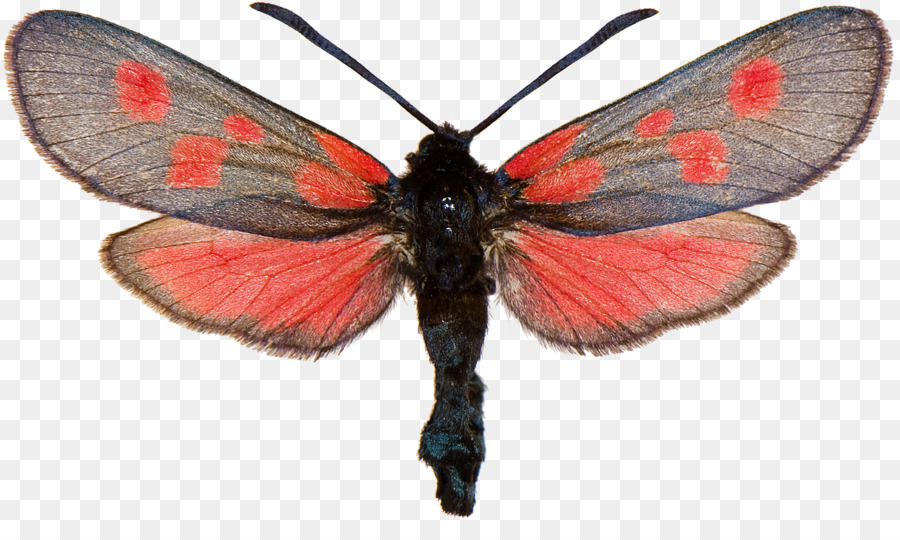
pixel 599 236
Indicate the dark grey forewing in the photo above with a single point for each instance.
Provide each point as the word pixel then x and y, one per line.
pixel 63 74
pixel 834 64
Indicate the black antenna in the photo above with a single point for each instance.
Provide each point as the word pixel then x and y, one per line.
pixel 294 21
pixel 610 29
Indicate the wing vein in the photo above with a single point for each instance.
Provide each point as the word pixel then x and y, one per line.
pixel 72 55
pixel 852 92
pixel 114 154
pixel 826 53
pixel 295 266
pixel 797 132
pixel 574 271
pixel 795 158
pixel 576 336
pixel 97 134
pixel 41 94
pixel 94 113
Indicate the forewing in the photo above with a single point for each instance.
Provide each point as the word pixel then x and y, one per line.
pixel 141 124
pixel 291 297
pixel 757 120
pixel 613 292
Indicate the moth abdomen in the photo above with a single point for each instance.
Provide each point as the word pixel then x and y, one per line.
pixel 453 326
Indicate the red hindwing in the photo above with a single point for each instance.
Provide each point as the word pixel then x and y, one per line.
pixel 286 297
pixel 613 292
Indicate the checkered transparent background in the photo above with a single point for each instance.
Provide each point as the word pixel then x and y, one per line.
pixel 779 421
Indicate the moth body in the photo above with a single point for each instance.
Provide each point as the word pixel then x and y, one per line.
pixel 445 196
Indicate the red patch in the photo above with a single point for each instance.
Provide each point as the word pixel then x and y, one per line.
pixel 197 162
pixel 331 188
pixel 243 129
pixel 654 124
pixel 323 287
pixel 353 160
pixel 142 92
pixel 570 181
pixel 755 88
pixel 702 156
pixel 543 153
pixel 580 282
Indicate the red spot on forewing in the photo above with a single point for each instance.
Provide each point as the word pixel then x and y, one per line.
pixel 243 129
pixel 580 282
pixel 325 186
pixel 654 124
pixel 755 88
pixel 321 287
pixel 701 155
pixel 570 181
pixel 142 91
pixel 197 162
pixel 543 153
pixel 352 160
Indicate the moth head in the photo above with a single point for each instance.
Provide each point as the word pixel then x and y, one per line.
pixel 447 140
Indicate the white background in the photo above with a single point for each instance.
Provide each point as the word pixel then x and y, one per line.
pixel 779 420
